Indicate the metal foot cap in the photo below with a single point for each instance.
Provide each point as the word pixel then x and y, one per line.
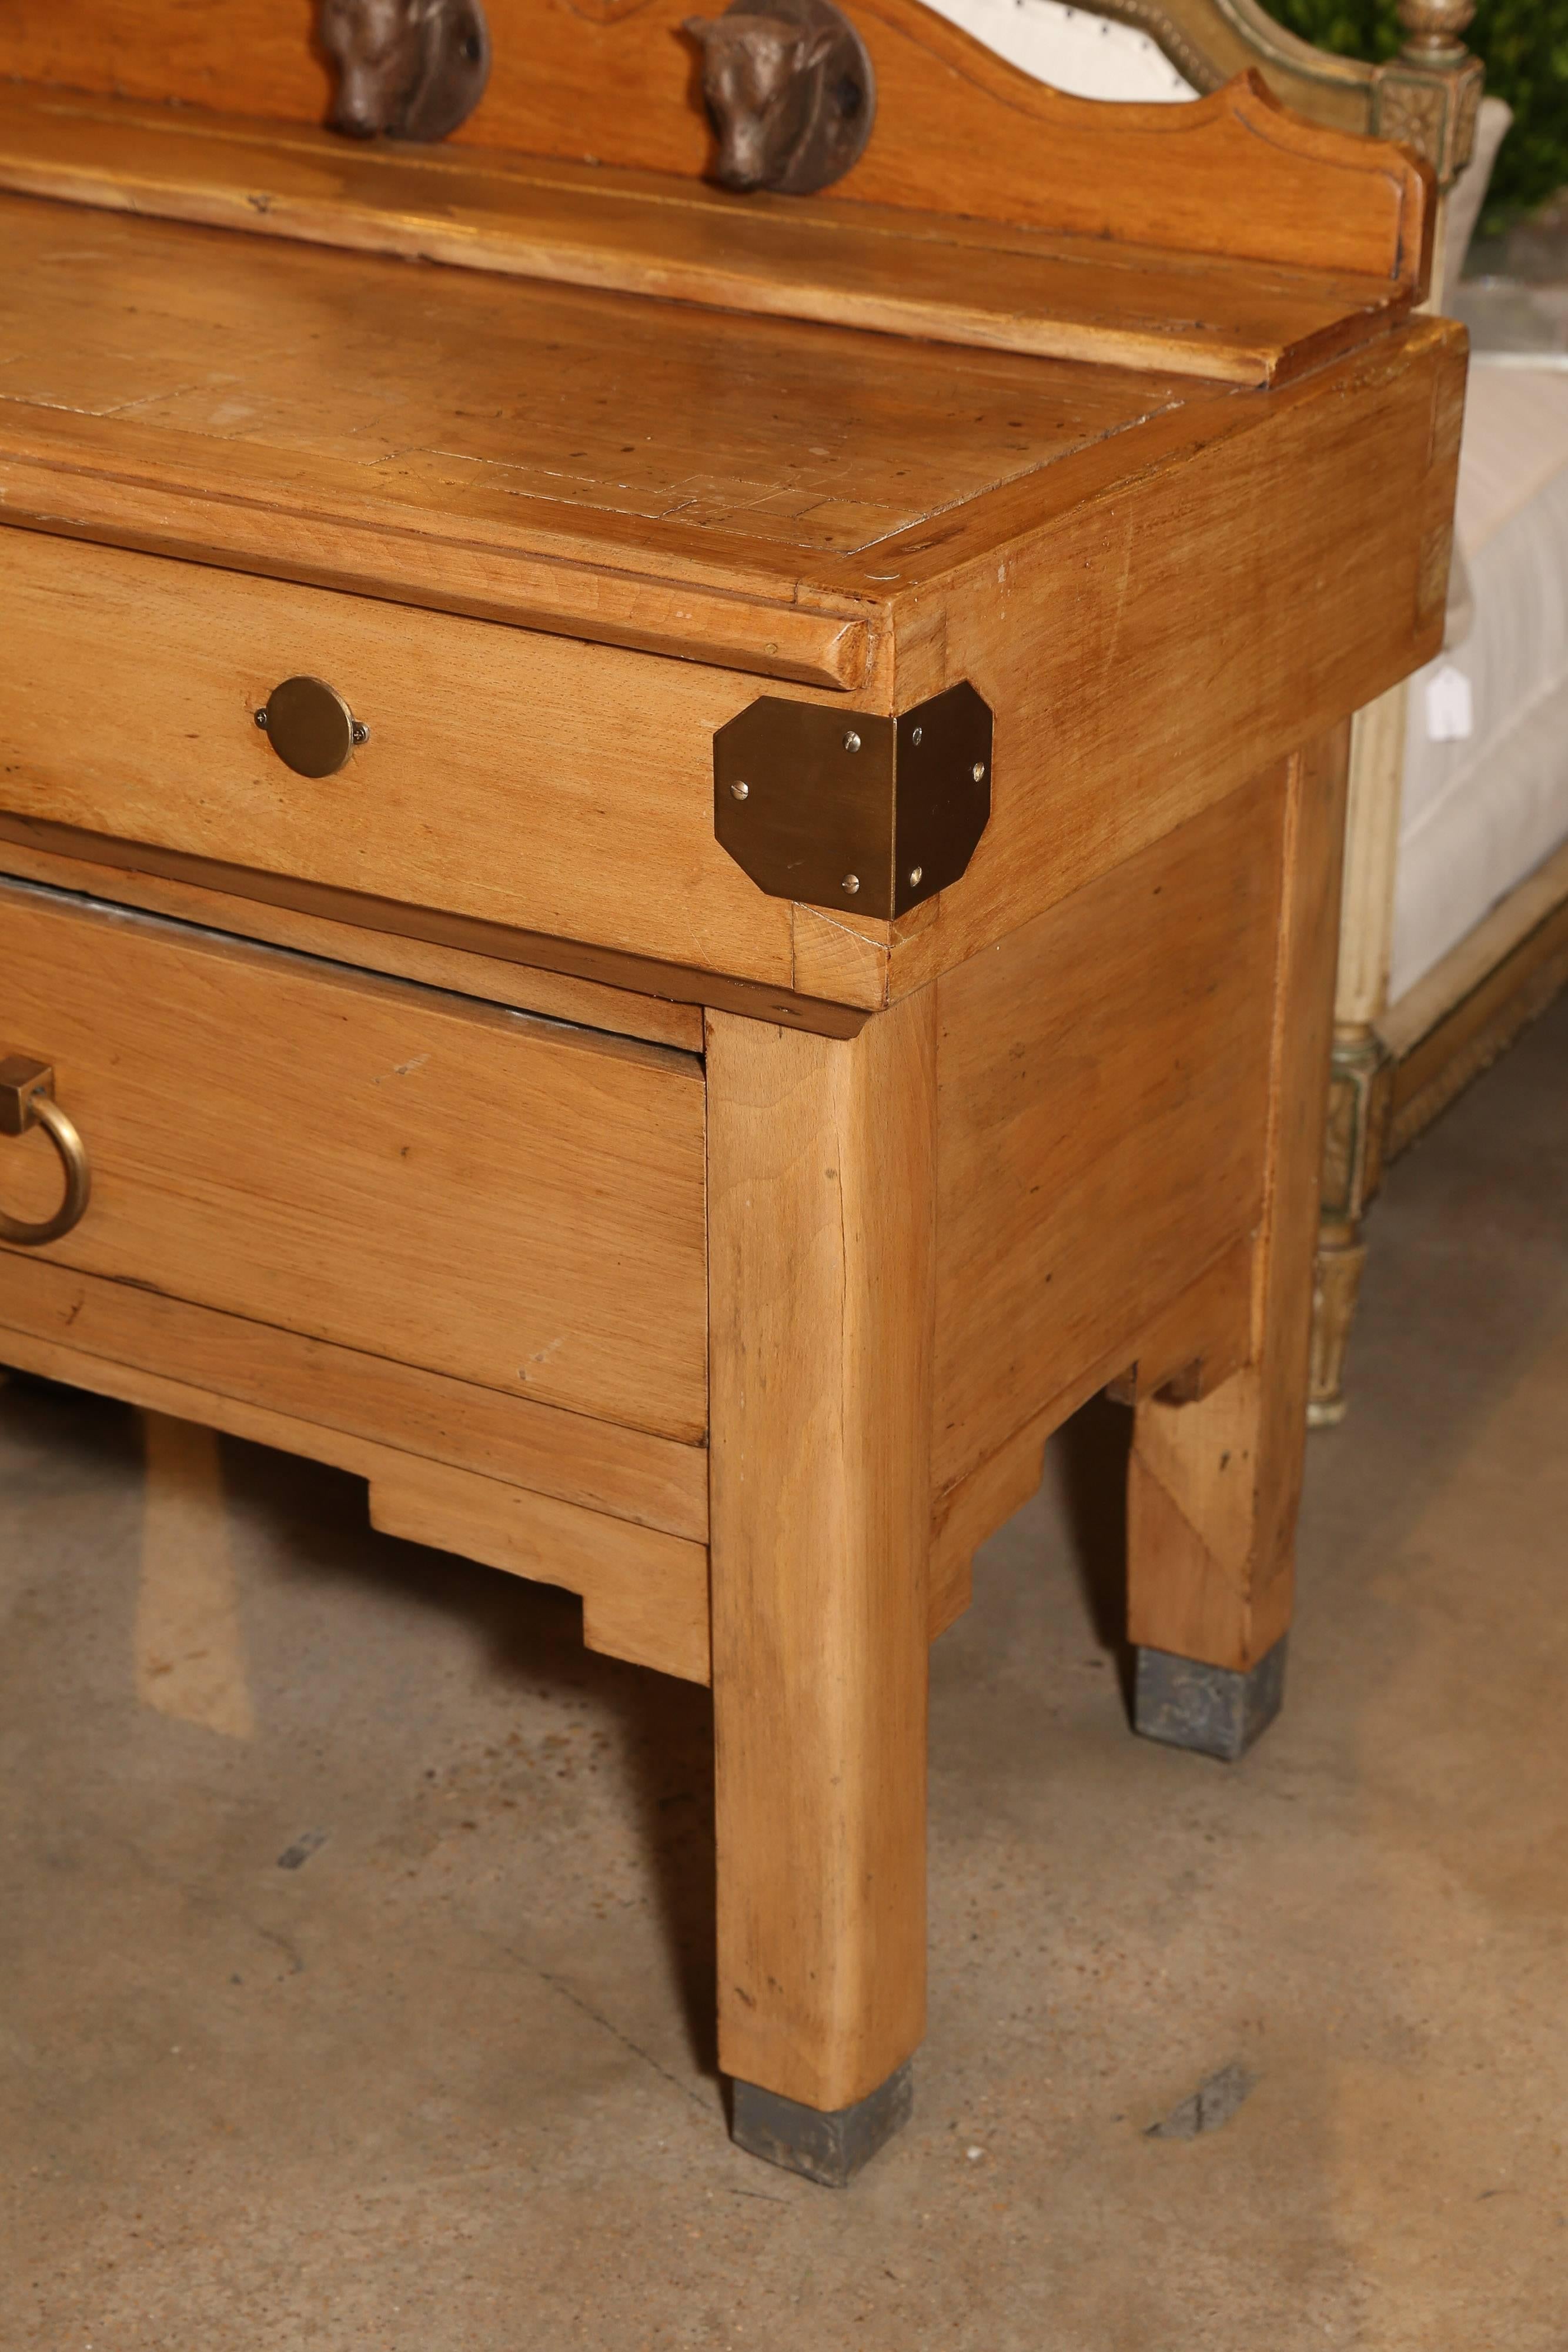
pixel 827 2147
pixel 1214 1710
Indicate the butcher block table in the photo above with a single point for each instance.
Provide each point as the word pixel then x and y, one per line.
pixel 671 861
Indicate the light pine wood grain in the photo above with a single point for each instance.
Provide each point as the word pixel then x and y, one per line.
pixel 644 1595
pixel 1180 656
pixel 1213 1486
pixel 597 1464
pixel 638 1586
pixel 906 273
pixel 501 1199
pixel 1205 1334
pixel 822 1238
pixel 959 130
pixel 388 935
pixel 529 781
pixel 1104 1077
pixel 465 972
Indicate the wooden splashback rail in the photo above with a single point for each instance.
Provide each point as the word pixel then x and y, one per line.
pixel 902 272
pixel 958 130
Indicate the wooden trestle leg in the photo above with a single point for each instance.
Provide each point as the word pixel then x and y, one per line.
pixel 822 1268
pixel 1213 1486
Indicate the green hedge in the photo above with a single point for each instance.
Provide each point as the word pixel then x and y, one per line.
pixel 1525 45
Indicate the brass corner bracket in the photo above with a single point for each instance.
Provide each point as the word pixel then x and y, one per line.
pixel 841 808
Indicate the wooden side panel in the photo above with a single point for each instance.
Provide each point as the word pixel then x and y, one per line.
pixel 1103 1087
pixel 1204 619
pixel 640 1588
pixel 1203 1335
pixel 505 1200
pixel 959 130
pixel 1213 1486
pixel 822 1246
pixel 527 780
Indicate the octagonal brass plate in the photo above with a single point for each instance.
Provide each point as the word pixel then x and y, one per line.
pixel 841 808
pixel 310 725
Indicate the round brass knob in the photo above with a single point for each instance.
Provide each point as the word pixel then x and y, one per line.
pixel 26 1100
pixel 310 725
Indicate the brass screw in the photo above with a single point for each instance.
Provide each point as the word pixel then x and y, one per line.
pixel 851 883
pixel 978 772
pixel 739 792
pixel 915 874
pixel 852 741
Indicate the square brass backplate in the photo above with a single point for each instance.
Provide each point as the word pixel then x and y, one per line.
pixel 841 808
pixel 20 1080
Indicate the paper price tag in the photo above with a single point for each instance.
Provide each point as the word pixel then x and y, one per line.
pixel 1450 707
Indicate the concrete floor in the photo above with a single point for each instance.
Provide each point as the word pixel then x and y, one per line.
pixel 446 2084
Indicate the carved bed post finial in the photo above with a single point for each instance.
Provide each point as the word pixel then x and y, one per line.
pixel 1432 29
pixel 1428 96
pixel 406 68
pixel 790 90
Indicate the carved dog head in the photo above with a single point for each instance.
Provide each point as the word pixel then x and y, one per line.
pixel 407 68
pixel 788 90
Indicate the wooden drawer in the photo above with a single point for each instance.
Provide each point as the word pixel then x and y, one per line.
pixel 532 781
pixel 502 1199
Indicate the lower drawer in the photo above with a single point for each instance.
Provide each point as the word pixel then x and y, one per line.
pixel 506 1200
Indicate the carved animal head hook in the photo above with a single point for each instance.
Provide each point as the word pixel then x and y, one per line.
pixel 406 68
pixel 789 91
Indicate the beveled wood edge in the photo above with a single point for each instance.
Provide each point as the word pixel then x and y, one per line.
pixel 681 984
pixel 665 1559
pixel 527 988
pixel 391 555
pixel 1454 1023
pixel 600 1466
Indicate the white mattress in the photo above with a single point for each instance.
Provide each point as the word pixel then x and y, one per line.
pixel 1072 48
pixel 1478 816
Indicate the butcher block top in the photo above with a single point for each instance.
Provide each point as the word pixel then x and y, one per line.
pixel 1111 425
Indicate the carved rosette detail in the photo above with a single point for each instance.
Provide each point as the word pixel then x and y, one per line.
pixel 1430 110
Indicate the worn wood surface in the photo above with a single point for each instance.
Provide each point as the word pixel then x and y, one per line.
pixel 1213 1486
pixel 600 1464
pixel 823 1240
pixel 638 1586
pixel 958 130
pixel 1181 655
pixel 412 1175
pixel 473 441
pixel 910 273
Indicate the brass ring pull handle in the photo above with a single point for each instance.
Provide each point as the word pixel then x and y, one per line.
pixel 27 1099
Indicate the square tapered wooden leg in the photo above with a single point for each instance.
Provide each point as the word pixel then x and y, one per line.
pixel 821 1274
pixel 1212 1484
